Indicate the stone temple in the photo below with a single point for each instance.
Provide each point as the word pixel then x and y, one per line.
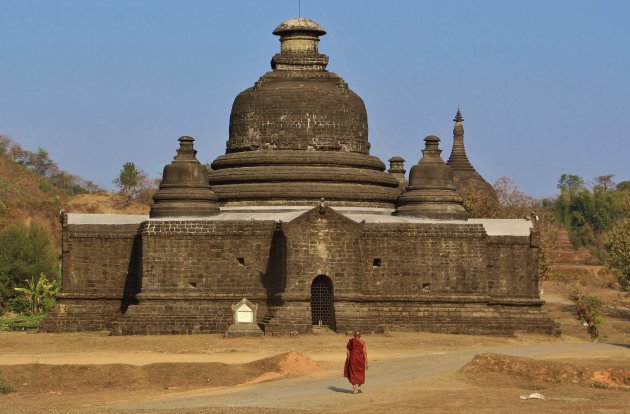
pixel 297 226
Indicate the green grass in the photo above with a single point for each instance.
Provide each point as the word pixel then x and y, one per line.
pixel 21 322
pixel 5 389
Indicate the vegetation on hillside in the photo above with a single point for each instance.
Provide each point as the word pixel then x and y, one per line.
pixel 593 216
pixel 617 250
pixel 40 163
pixel 33 189
pixel 590 213
pixel 135 185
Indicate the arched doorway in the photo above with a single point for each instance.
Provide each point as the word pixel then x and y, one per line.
pixel 322 310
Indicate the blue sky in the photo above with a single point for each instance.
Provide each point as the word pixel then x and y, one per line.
pixel 543 85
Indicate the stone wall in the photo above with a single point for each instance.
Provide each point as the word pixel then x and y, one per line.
pixel 222 257
pixel 377 259
pixel 101 268
pixel 100 259
pixel 512 267
pixel 183 276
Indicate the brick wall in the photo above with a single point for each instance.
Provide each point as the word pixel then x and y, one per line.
pixel 100 259
pixel 512 267
pixel 101 267
pixel 384 259
pixel 441 277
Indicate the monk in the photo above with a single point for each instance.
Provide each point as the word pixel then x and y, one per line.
pixel 356 362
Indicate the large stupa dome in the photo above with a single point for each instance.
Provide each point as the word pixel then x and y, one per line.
pixel 300 135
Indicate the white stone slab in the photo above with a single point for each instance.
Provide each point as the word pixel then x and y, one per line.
pixel 106 218
pixel 505 227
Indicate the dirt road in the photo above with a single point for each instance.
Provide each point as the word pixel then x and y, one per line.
pixel 389 381
pixel 200 374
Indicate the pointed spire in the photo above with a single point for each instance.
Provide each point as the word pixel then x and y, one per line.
pixel 458 159
pixel 464 174
pixel 458 116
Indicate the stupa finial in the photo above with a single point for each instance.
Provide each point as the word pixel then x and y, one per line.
pixel 299 39
pixel 458 116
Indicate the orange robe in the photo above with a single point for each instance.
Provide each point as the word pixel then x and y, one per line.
pixel 354 369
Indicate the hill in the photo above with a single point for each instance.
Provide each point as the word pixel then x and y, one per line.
pixel 34 190
pixel 104 203
pixel 26 197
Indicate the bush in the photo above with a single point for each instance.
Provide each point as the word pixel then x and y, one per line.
pixel 588 309
pixel 24 251
pixel 5 388
pixel 618 253
pixel 19 305
pixel 21 322
pixel 40 293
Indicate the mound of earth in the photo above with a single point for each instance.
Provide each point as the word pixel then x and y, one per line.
pixel 42 378
pixel 536 373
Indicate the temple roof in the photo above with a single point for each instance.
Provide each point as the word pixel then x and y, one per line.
pixel 300 134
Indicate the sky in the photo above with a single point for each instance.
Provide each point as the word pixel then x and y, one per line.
pixel 543 85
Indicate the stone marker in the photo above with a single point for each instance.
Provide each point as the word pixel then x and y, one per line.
pixel 244 320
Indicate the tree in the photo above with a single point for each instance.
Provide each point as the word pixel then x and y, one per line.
pixel 589 213
pixel 605 181
pixel 513 203
pixel 571 183
pixel 623 186
pixel 24 251
pixel 40 292
pixel 130 180
pixel 478 203
pixel 617 248
pixel 5 143
pixel 18 154
pixel 588 309
pixel 41 163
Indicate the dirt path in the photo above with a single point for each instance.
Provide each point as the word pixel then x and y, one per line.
pixel 409 373
pixel 388 379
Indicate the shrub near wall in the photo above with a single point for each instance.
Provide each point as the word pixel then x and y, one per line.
pixel 24 252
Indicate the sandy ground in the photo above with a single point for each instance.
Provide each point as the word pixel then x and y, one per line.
pixel 409 372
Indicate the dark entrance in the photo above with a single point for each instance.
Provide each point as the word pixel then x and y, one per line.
pixel 322 311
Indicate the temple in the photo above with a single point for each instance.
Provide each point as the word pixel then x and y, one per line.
pixel 297 227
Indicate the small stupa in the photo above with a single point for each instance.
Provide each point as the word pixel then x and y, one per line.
pixel 431 193
pixel 397 170
pixel 184 190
